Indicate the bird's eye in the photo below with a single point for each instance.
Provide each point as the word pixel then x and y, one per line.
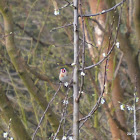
pixel 63 70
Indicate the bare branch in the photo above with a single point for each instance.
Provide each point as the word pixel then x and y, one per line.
pixel 96 106
pixel 9 127
pixel 83 54
pixel 104 11
pixel 3 36
pixel 63 115
pixel 118 66
pixel 61 27
pixel 135 123
pixel 99 99
pixel 66 5
pixel 43 116
pixel 109 52
pixel 88 42
pixel 100 26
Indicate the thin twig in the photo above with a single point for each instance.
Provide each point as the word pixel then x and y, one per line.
pixel 88 43
pixel 134 110
pixel 34 134
pixel 8 133
pixel 71 3
pixel 102 60
pixel 66 5
pixel 83 55
pixel 104 11
pixel 63 114
pixel 105 78
pixel 100 26
pixel 135 124
pixel 109 52
pixel 118 66
pixel 64 26
pixel 4 36
pixel 99 99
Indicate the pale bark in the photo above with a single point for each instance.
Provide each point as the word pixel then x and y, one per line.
pixel 116 89
pixel 75 75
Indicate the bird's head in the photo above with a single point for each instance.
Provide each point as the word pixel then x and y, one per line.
pixel 63 70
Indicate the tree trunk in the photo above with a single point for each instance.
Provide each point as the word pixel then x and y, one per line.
pixel 75 75
pixel 116 89
pixel 137 20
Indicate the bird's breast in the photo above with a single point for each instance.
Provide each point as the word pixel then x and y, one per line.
pixel 61 75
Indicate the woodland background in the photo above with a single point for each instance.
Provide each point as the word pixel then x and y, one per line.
pixel 32 52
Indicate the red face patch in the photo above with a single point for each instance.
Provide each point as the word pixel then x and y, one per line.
pixel 63 70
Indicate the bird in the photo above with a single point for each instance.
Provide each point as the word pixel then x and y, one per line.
pixel 63 76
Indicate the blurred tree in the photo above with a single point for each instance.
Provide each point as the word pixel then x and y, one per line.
pixel 37 40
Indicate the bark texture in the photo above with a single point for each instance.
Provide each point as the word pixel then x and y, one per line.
pixel 115 89
pixel 75 75
pixel 137 20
